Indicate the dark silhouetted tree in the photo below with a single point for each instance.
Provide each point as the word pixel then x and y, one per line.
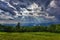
pixel 18 27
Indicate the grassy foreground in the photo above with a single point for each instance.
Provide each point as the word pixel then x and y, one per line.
pixel 29 36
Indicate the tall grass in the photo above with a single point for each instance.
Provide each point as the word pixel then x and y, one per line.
pixel 29 36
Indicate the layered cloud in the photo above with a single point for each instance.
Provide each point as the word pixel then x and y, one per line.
pixel 38 11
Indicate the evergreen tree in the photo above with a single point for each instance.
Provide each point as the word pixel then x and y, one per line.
pixel 18 27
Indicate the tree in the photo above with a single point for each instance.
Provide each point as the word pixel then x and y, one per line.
pixel 52 28
pixel 8 29
pixel 57 28
pixel 18 27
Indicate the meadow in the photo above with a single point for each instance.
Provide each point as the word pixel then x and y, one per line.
pixel 29 36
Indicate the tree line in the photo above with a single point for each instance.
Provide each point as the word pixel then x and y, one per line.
pixel 51 28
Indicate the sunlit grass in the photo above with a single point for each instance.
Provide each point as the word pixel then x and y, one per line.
pixel 29 36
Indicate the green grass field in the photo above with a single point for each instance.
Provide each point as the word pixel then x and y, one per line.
pixel 29 36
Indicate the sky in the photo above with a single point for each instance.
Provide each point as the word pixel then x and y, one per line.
pixel 30 11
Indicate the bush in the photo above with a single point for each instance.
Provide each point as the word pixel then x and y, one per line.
pixel 51 28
